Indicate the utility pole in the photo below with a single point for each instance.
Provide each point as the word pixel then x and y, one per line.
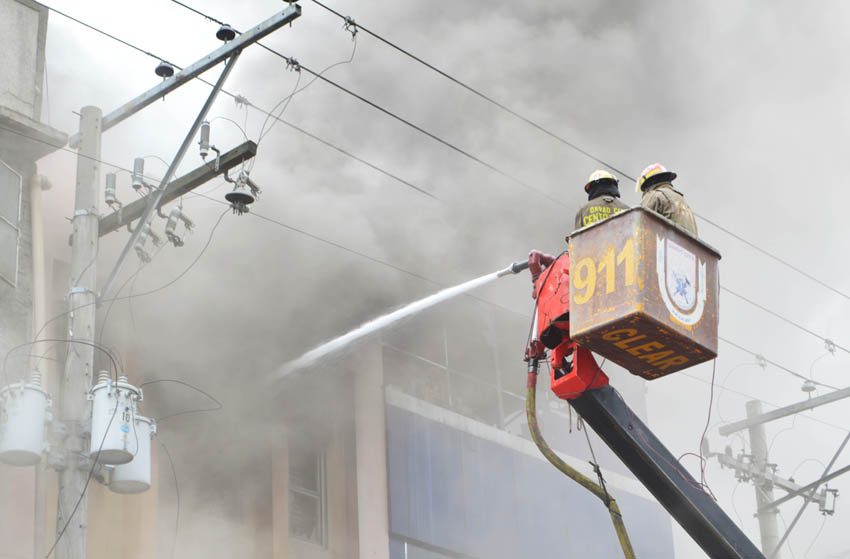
pixel 768 525
pixel 79 364
pixel 74 465
pixel 756 468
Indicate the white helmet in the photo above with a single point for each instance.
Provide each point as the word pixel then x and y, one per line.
pixel 653 174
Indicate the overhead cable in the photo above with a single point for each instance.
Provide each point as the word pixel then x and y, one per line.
pixel 409 273
pixel 372 166
pixel 775 364
pixel 573 146
pixel 290 60
pixel 474 91
pixel 829 342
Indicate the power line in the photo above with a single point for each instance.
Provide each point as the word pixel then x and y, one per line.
pixel 409 273
pixel 294 62
pixel 364 256
pixel 826 340
pixel 476 92
pixel 338 149
pixel 109 35
pixel 176 494
pixel 431 135
pixel 776 258
pixel 774 363
pixel 100 347
pixel 291 61
pixel 233 96
pixel 218 404
pixel 270 114
pixel 572 145
pixel 292 228
pixel 433 282
pixel 841 428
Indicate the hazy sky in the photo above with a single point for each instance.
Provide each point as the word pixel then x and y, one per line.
pixel 746 101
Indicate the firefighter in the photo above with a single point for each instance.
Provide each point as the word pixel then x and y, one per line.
pixel 656 184
pixel 603 199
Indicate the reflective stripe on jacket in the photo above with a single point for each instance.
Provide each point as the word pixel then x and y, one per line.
pixel 601 207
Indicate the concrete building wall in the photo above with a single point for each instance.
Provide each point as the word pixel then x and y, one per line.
pixel 21 57
pixel 22 38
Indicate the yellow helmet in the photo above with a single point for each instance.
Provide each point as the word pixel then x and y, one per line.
pixel 599 175
pixel 653 174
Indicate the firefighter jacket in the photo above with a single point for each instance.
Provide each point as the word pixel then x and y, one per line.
pixel 663 199
pixel 598 209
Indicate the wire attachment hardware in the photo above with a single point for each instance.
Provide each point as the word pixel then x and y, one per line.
pixel 292 64
pixel 351 26
pixel 829 345
pixel 174 217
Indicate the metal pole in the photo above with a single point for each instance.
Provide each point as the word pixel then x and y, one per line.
pixel 79 364
pixel 806 501
pixel 157 196
pixel 768 522
pixel 39 303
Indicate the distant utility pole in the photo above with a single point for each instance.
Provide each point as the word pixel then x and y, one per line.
pixel 75 464
pixel 768 521
pixel 757 468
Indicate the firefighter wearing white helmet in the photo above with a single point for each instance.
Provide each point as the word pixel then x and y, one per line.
pixel 603 199
pixel 656 184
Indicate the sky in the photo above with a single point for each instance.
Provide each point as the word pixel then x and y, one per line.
pixel 745 101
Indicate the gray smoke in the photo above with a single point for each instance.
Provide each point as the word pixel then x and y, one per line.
pixel 745 101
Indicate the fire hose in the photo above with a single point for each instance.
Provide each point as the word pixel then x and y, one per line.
pixel 566 469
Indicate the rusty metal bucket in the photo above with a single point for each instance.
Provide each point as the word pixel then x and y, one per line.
pixel 644 293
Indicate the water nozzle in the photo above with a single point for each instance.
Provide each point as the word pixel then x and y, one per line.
pixel 518 267
pixel 514 268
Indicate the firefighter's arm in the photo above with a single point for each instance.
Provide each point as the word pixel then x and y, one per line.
pixel 657 202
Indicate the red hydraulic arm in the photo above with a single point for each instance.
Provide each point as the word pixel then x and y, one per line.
pixel 573 369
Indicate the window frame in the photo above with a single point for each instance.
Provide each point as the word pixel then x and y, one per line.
pixel 16 226
pixel 320 495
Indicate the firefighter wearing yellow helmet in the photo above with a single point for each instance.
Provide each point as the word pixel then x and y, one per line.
pixel 656 184
pixel 603 199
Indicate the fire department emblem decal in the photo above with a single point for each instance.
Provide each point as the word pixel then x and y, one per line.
pixel 681 281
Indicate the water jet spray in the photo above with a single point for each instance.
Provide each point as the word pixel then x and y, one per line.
pixel 389 319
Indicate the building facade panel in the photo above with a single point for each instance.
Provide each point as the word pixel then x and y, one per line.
pixel 476 498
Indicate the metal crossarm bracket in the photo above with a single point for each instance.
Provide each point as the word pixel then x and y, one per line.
pixel 178 187
pixel 190 72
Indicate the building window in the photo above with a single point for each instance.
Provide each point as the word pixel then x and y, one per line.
pixel 307 495
pixel 10 214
